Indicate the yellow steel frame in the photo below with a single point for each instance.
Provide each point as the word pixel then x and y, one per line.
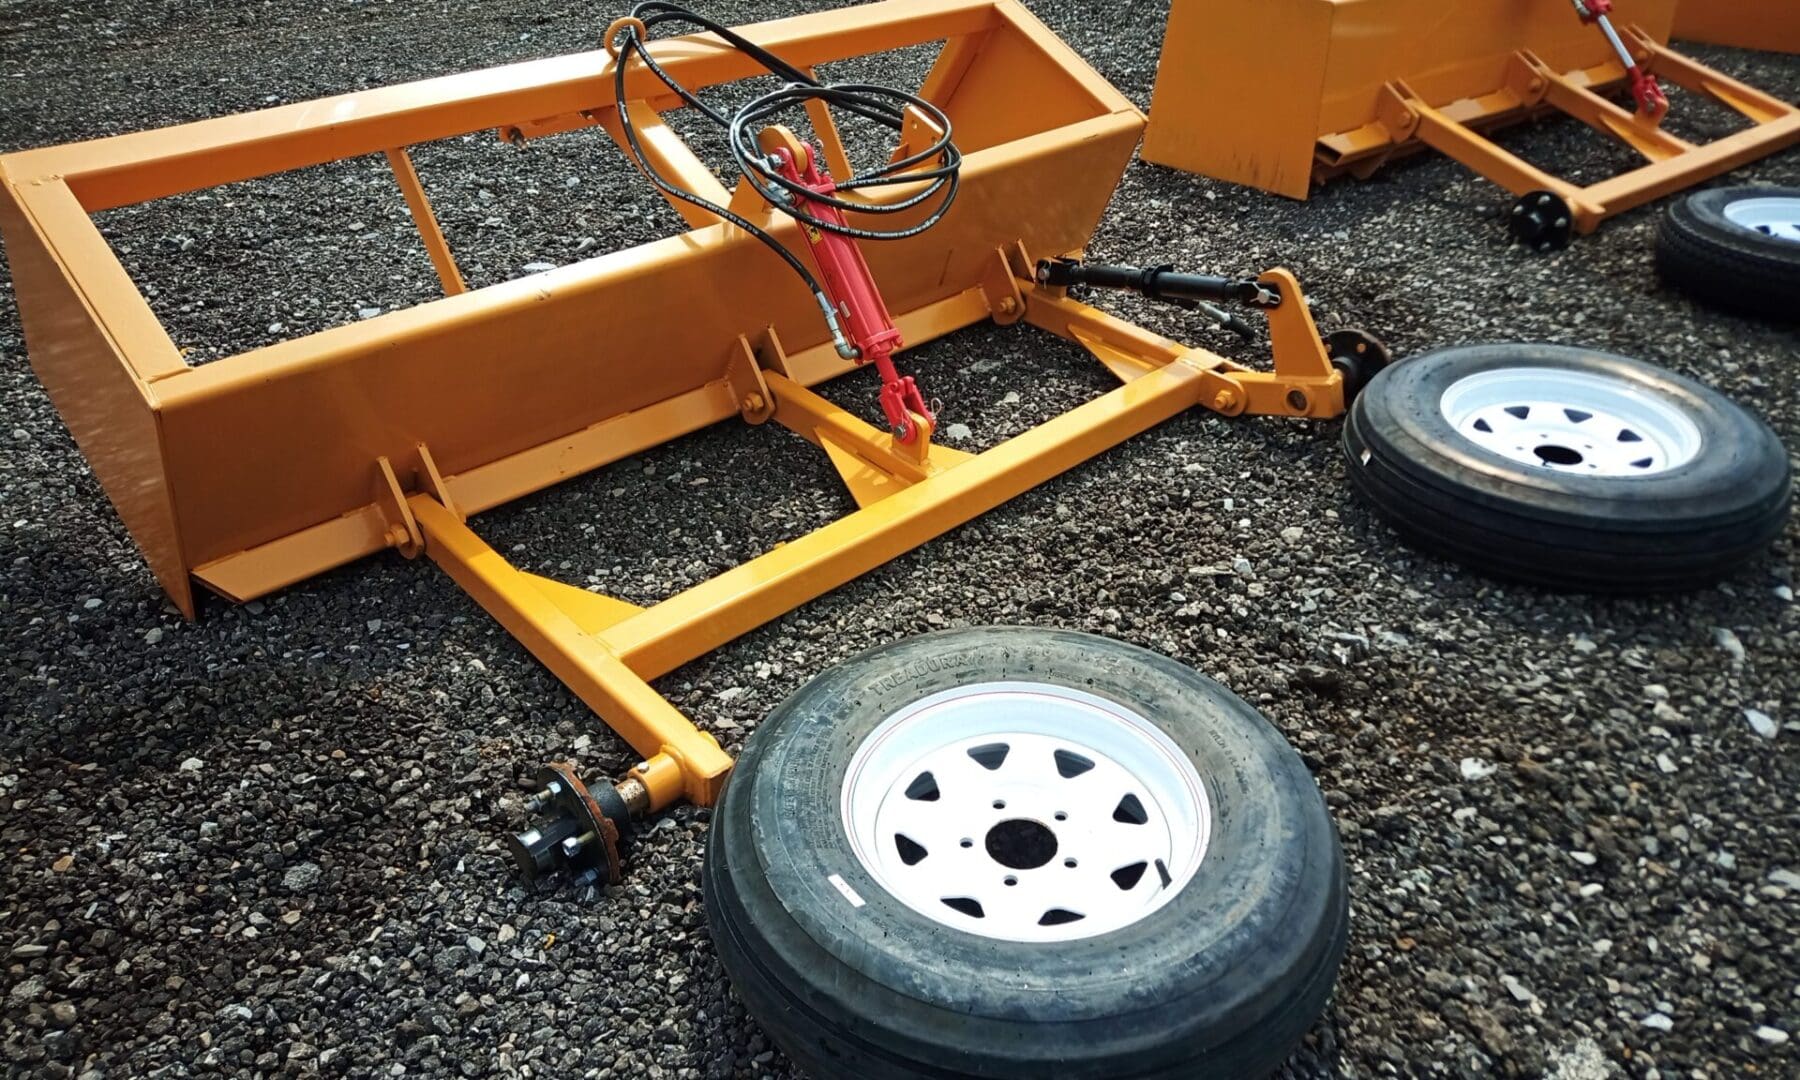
pixel 257 471
pixel 1359 82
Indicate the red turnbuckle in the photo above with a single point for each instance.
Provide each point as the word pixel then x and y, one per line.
pixel 1648 93
pixel 1645 90
pixel 851 290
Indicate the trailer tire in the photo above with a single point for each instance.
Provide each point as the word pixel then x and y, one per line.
pixel 1736 247
pixel 858 965
pixel 1567 467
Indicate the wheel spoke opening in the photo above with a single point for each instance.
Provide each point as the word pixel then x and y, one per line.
pixel 1130 811
pixel 911 851
pixel 1069 764
pixel 990 756
pixel 968 905
pixel 1127 877
pixel 923 788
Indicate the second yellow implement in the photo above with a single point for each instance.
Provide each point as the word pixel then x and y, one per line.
pixel 1354 83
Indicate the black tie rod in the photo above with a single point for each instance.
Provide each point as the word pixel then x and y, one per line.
pixel 1191 291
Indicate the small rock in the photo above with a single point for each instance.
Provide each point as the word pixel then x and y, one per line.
pixel 1293 534
pixel 1785 878
pixel 538 267
pixel 1728 641
pixel 153 636
pixel 92 603
pixel 1771 1035
pixel 63 1014
pixel 1658 1021
pixel 1584 644
pixel 1585 858
pixel 1011 398
pixel 367 312
pixel 1517 989
pixel 301 877
pixel 1476 769
pixel 1761 723
pixel 1784 594
pixel 1318 678
pixel 374 626
pixel 475 944
pixel 1665 763
pixel 64 864
pixel 959 432
pixel 192 764
pixel 586 243
pixel 507 933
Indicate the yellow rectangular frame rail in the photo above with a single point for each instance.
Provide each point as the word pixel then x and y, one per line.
pixel 1356 83
pixel 256 471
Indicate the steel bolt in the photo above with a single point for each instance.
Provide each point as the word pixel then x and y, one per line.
pixel 1224 400
pixel 1008 305
pixel 753 403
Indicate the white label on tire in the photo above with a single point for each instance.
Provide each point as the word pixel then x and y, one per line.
pixel 1366 455
pixel 844 887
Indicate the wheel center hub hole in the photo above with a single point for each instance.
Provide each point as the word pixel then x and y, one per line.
pixel 1021 844
pixel 1551 454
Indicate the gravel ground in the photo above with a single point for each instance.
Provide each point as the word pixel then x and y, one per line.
pixel 265 842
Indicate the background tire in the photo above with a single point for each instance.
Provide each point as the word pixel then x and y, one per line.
pixel 1737 247
pixel 1615 476
pixel 1217 973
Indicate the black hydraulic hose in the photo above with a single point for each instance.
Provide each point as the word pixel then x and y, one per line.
pixel 882 105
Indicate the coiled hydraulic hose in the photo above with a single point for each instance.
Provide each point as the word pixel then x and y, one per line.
pixel 936 166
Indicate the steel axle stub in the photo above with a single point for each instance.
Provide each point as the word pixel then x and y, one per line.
pixel 580 837
pixel 1542 221
pixel 1358 355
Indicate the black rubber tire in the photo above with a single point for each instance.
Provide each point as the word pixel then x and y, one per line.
pixel 1670 530
pixel 1701 252
pixel 1222 981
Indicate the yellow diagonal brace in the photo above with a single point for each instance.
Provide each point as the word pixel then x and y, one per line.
pixel 626 702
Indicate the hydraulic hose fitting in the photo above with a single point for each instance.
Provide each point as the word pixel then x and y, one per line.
pixel 844 348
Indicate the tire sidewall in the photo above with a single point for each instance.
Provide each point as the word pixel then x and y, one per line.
pixel 1704 212
pixel 1739 467
pixel 1255 901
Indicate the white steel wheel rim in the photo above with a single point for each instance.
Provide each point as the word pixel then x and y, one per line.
pixel 1571 422
pixel 954 827
pixel 1771 215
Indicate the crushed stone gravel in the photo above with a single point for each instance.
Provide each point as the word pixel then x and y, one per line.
pixel 265 843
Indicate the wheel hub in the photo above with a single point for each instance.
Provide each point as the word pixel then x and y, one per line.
pixel 1571 422
pixel 1542 221
pixel 1025 811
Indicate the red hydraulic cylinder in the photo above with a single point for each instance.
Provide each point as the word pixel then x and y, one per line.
pixel 852 291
